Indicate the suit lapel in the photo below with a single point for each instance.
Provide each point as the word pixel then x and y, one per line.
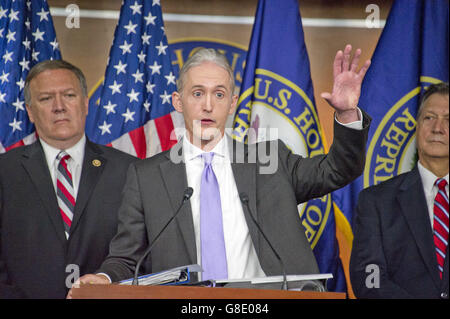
pixel 93 165
pixel 175 182
pixel 35 164
pixel 413 206
pixel 245 178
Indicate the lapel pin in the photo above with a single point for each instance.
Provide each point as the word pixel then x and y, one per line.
pixel 96 163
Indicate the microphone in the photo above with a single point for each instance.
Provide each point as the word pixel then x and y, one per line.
pixel 244 199
pixel 186 196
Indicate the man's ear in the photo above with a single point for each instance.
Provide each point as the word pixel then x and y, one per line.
pixel 176 102
pixel 86 104
pixel 30 113
pixel 234 100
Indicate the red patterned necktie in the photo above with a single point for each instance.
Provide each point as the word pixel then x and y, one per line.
pixel 440 223
pixel 64 191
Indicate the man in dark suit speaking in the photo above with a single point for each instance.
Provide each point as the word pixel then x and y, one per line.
pixel 216 229
pixel 59 196
pixel 400 248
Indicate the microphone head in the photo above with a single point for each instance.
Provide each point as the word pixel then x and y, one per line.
pixel 244 197
pixel 188 193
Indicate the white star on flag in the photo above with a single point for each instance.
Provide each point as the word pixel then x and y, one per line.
pixel 126 48
pixel 105 128
pixel 8 56
pixel 13 15
pixel 19 105
pixel 35 55
pixel 4 77
pixel 133 96
pixel 21 84
pixel 138 76
pixel 141 57
pixel 161 48
pixel 25 64
pixel 150 87
pixel 11 36
pixel 150 19
pixel 155 68
pixel 3 13
pixel 15 125
pixel 145 38
pixel 165 97
pixel 170 78
pixel 110 108
pixel 128 115
pixel 147 106
pixel 131 28
pixel 43 15
pixel 38 35
pixel 120 67
pixel 115 88
pixel 26 43
pixel 136 8
pixel 54 44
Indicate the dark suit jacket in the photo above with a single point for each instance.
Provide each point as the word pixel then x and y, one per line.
pixel 34 251
pixel 392 230
pixel 155 187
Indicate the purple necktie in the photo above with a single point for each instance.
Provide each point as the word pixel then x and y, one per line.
pixel 214 259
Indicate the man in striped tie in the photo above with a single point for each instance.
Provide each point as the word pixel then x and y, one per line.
pixel 400 248
pixel 59 196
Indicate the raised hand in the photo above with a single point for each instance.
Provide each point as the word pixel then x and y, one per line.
pixel 347 85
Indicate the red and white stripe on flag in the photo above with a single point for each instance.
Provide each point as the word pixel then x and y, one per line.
pixel 155 136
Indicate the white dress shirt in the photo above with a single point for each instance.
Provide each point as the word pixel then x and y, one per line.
pixel 242 260
pixel 430 190
pixel 75 163
pixel 356 125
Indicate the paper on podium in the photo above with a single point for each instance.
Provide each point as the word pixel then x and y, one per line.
pixel 174 276
pixel 312 282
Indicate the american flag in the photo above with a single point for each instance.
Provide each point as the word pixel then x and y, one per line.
pixel 27 36
pixel 133 111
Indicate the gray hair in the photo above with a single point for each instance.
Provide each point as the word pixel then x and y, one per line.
pixel 439 88
pixel 201 56
pixel 53 65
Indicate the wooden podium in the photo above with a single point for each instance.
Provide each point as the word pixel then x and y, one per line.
pixel 184 292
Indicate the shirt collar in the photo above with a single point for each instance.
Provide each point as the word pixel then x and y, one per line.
pixel 76 152
pixel 191 151
pixel 428 178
